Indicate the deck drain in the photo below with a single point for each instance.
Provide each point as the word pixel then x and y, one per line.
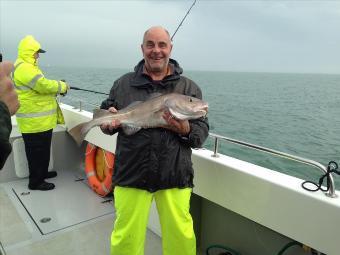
pixel 45 220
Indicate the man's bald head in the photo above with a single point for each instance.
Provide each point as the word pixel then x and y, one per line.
pixel 158 30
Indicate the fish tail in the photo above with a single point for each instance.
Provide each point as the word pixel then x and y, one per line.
pixel 79 132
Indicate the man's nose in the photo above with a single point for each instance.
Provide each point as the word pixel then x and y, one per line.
pixel 156 49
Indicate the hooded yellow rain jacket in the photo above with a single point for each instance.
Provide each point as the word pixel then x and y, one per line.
pixel 39 110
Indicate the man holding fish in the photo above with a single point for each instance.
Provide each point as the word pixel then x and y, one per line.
pixel 155 163
pixel 9 104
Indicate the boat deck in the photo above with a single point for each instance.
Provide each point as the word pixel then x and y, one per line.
pixel 71 219
pixel 251 209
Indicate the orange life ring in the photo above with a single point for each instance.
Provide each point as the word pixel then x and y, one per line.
pixel 99 169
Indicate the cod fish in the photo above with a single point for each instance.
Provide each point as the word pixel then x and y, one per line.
pixel 147 114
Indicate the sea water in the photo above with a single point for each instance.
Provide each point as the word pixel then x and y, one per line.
pixel 297 114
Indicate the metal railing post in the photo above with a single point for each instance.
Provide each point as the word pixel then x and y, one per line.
pixel 215 147
pixel 80 106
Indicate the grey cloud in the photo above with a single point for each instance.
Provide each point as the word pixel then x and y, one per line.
pixel 278 36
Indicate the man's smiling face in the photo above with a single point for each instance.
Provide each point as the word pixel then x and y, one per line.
pixel 156 50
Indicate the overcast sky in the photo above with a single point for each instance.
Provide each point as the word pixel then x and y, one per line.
pixel 261 36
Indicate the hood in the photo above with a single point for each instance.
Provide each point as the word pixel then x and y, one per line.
pixel 141 79
pixel 27 47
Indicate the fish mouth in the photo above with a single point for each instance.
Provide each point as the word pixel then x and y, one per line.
pixel 203 113
pixel 202 110
pixel 205 108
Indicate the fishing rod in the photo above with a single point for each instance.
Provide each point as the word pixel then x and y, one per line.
pixel 180 24
pixel 92 91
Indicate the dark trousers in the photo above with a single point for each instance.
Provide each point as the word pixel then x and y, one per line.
pixel 38 148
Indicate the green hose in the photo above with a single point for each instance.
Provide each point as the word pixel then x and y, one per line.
pixel 233 252
pixel 227 249
pixel 288 245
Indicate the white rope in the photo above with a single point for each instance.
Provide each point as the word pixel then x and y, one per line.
pixel 105 159
pixel 91 149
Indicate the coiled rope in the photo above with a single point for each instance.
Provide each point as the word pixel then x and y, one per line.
pixel 331 168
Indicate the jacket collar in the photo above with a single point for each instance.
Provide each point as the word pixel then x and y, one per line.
pixel 144 80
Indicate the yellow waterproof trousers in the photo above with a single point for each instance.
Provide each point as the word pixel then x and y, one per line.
pixel 132 214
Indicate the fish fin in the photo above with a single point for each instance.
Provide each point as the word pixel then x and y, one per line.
pixel 130 130
pixel 130 106
pixel 79 132
pixel 154 95
pixel 133 104
pixel 98 113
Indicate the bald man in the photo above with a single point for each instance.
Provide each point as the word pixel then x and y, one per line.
pixel 8 106
pixel 154 163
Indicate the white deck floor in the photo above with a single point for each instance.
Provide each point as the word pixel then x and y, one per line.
pixel 80 221
pixel 70 203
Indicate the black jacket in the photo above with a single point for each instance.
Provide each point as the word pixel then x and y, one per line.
pixel 155 159
pixel 5 131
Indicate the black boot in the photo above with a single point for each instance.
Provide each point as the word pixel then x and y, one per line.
pixel 51 174
pixel 42 186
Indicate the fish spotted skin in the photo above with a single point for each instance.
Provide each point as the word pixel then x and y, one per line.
pixel 147 114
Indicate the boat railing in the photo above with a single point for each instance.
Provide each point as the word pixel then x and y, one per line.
pixel 217 138
pixel 79 103
pixel 331 193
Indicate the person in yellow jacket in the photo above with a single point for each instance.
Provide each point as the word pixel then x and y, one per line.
pixel 39 112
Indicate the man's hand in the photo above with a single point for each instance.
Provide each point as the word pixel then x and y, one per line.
pixel 181 127
pixel 67 88
pixel 110 126
pixel 7 92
